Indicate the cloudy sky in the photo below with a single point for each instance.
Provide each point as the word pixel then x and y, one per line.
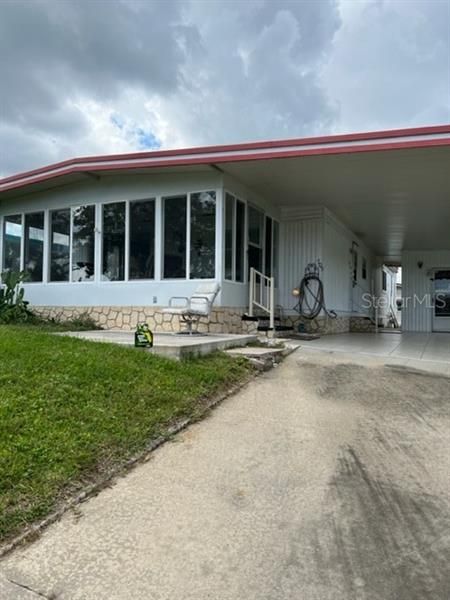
pixel 104 76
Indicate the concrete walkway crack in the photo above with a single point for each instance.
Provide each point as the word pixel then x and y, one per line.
pixel 29 589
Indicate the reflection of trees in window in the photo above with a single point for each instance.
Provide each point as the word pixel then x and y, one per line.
pixel 175 215
pixel 34 246
pixel 60 245
pixel 142 239
pixel 203 235
pixel 12 242
pixel 113 261
pixel 83 243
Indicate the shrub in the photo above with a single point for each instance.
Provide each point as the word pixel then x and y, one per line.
pixel 13 306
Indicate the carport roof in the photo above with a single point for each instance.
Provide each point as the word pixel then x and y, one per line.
pixel 390 187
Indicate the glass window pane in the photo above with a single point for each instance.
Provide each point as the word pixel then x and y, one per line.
pixel 60 245
pixel 83 243
pixel 113 229
pixel 275 242
pixel 203 235
pixel 34 246
pixel 142 239
pixel 268 248
pixel 255 225
pixel 229 226
pixel 12 242
pixel 175 237
pixel 240 240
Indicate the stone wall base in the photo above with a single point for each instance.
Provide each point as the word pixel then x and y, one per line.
pixel 321 325
pixel 222 320
pixel 361 325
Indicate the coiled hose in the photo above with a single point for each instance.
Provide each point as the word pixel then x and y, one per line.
pixel 311 299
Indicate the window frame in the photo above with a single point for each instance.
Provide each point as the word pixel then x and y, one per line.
pixel 20 214
pixel 44 247
pixel 158 235
pixel 97 267
pixel 188 195
pixel 48 237
pixel 236 198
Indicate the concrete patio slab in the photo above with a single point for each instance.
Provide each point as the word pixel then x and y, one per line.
pixel 169 344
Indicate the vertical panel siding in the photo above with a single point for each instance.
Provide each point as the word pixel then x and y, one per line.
pixel 340 295
pixel 300 244
pixel 416 285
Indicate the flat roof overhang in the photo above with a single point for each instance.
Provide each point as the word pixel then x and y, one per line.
pixel 391 188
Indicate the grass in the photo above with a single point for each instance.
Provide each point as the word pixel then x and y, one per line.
pixel 71 409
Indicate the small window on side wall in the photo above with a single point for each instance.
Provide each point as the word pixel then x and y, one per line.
pixel 384 280
pixel 364 268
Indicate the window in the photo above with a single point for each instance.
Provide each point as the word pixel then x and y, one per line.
pixel 142 239
pixel 230 203
pixel 113 253
pixel 203 235
pixel 364 268
pixel 83 243
pixel 255 238
pixel 34 246
pixel 12 243
pixel 384 280
pixel 275 243
pixel 240 240
pixel 60 245
pixel 355 265
pixel 234 238
pixel 255 226
pixel 268 248
pixel 175 219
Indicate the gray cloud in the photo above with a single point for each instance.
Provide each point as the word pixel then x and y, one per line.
pixel 86 76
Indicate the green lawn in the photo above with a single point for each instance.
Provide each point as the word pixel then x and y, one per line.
pixel 71 408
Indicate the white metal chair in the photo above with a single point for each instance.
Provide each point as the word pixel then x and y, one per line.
pixel 193 308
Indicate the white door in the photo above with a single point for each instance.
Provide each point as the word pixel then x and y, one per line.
pixel 441 309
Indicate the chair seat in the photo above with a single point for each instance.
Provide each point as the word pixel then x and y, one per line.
pixel 185 311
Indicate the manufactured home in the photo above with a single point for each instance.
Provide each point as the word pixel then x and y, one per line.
pixel 119 236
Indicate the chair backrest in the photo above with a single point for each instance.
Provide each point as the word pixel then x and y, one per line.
pixel 205 290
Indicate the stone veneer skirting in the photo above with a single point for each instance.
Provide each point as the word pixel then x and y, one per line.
pixel 222 319
pixel 322 325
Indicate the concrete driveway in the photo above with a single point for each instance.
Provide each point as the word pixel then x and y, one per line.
pixel 325 479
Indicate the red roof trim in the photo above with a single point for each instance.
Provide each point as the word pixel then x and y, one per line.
pixel 73 168
pixel 308 141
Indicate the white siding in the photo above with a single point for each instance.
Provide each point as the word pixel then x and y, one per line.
pixel 417 285
pixel 300 244
pixel 340 294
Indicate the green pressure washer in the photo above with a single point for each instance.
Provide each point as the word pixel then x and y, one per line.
pixel 143 337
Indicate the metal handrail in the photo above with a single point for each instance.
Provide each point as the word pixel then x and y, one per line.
pixel 256 297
